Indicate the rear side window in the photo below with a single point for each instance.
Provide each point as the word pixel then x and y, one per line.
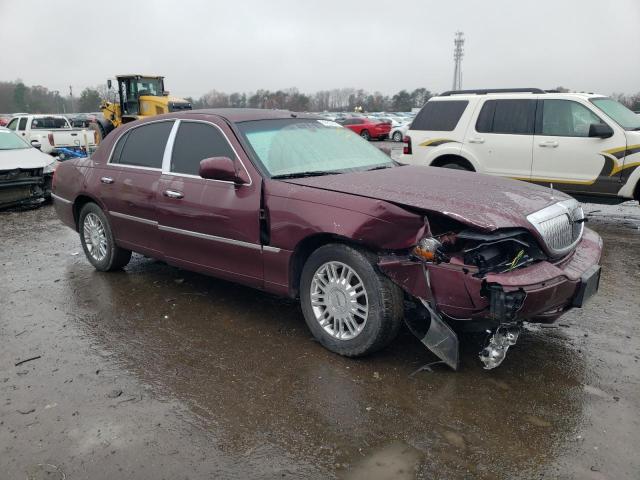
pixel 195 142
pixel 507 116
pixel 13 124
pixel 441 116
pixel 23 123
pixel 143 146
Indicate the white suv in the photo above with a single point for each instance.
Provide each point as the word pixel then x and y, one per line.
pixel 584 144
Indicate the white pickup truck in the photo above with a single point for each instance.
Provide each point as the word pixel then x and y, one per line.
pixel 51 132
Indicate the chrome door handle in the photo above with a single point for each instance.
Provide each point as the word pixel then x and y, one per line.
pixel 549 144
pixel 107 180
pixel 476 140
pixel 173 194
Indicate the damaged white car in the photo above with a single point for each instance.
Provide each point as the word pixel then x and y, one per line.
pixel 25 172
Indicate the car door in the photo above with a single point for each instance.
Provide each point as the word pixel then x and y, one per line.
pixel 565 155
pixel 502 138
pixel 209 225
pixel 131 195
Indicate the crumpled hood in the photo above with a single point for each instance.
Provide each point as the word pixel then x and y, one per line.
pixel 482 201
pixel 24 158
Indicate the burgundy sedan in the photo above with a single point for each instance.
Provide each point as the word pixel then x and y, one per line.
pixel 301 207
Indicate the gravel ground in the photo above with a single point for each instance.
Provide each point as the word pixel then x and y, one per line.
pixel 157 373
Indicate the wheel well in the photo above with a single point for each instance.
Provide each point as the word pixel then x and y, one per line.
pixel 444 159
pixel 303 251
pixel 80 202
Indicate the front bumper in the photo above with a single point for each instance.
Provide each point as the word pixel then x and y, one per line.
pixel 537 293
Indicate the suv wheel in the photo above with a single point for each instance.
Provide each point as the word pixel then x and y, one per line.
pixel 455 166
pixel 97 240
pixel 350 308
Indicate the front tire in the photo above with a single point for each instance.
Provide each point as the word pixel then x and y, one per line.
pixel 350 308
pixel 98 242
pixel 397 136
pixel 365 134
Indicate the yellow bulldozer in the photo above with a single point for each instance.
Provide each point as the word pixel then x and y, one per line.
pixel 138 96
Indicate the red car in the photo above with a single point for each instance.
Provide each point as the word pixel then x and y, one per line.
pixel 368 128
pixel 298 206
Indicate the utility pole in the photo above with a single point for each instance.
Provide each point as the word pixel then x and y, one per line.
pixel 458 53
pixel 71 96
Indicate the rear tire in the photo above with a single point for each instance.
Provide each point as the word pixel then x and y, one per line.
pixel 98 242
pixel 365 134
pixel 397 136
pixel 342 282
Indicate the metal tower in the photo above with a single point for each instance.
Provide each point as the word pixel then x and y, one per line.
pixel 458 53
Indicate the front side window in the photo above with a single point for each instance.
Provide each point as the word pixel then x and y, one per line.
pixel 566 118
pixel 143 146
pixel 295 146
pixel 516 117
pixel 439 116
pixel 11 141
pixel 618 113
pixel 22 124
pixel 195 142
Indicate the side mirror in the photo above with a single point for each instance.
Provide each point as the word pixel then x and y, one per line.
pixel 600 130
pixel 219 168
pixel 36 144
pixel 109 84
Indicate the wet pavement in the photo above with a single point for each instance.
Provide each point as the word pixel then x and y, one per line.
pixel 158 373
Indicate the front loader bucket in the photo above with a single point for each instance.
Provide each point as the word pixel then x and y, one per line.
pixel 438 337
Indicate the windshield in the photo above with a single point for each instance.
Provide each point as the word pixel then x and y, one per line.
pixel 618 112
pixel 11 141
pixel 149 86
pixel 49 123
pixel 299 146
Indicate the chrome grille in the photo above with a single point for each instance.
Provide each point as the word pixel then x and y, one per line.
pixel 560 225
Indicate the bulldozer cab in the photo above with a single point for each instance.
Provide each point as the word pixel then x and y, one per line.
pixel 132 87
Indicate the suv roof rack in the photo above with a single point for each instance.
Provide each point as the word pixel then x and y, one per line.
pixel 491 90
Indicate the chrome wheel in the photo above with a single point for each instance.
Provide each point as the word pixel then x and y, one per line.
pixel 95 237
pixel 339 300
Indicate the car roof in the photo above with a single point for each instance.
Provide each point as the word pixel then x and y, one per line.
pixel 236 115
pixel 467 95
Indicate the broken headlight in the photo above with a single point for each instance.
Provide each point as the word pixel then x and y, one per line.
pixel 430 249
pixel 500 251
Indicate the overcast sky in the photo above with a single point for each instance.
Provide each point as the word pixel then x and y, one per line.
pixel 243 45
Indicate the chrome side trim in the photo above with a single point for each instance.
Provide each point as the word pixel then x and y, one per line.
pixel 266 248
pixel 135 219
pixel 58 198
pixel 168 148
pixel 204 236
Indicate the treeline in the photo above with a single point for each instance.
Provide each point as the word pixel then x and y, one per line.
pixel 337 100
pixel 18 97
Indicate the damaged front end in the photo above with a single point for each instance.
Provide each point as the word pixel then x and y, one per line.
pixel 489 282
pixel 21 187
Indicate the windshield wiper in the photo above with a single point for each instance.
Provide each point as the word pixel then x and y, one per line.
pixel 379 167
pixel 311 173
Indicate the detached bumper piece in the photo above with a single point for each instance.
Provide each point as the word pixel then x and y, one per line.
pixel 495 351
